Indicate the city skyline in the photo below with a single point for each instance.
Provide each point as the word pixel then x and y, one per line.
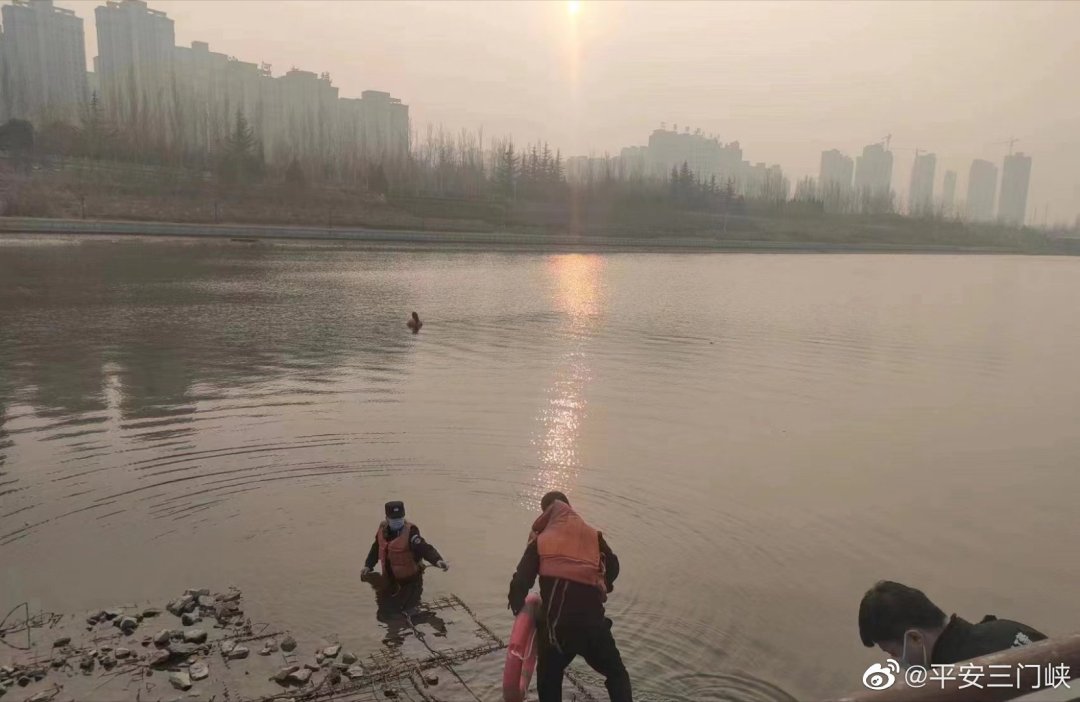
pixel 571 91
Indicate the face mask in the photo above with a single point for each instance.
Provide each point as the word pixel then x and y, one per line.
pixel 395 524
pixel 904 662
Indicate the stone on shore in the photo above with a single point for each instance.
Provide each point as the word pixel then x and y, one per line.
pixel 283 674
pixel 151 612
pixel 227 646
pixel 86 663
pixel 122 653
pixel 431 679
pixel 160 658
pixel 348 657
pixel 232 595
pixel 163 637
pixel 288 644
pixel 195 636
pixel 300 677
pixel 182 649
pixel 199 670
pixel 61 642
pixel 190 618
pixel 332 651
pixel 238 653
pixel 128 624
pixel 181 681
pixel 181 605
pixel 269 647
pixel 357 671
pixel 334 676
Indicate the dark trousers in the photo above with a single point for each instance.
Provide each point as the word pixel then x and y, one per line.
pixel 596 645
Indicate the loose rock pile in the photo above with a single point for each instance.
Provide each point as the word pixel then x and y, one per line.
pixel 179 651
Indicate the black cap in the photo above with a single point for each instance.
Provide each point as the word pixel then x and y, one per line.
pixel 550 498
pixel 395 509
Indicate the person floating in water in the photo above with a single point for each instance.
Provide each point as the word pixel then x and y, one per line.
pixel 414 323
pixel 577 569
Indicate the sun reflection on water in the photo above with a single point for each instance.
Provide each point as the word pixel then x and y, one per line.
pixel 577 290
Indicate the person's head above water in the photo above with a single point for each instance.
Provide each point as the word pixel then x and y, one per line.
pixel 550 498
pixel 416 317
pixel 901 621
pixel 395 515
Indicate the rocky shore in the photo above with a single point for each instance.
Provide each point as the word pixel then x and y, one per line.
pixel 201 647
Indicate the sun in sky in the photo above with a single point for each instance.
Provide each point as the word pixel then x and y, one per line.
pixel 573 7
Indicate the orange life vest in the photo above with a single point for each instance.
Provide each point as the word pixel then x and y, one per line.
pixel 397 552
pixel 568 547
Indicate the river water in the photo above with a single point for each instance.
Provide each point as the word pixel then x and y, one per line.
pixel 759 437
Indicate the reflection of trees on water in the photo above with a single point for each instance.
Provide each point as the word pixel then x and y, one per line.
pixel 180 322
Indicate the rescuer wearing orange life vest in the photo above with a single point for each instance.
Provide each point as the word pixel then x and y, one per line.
pixel 399 548
pixel 577 570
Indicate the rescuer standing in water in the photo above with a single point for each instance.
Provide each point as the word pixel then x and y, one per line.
pixel 577 569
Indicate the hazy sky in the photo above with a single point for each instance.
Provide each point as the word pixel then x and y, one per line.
pixel 787 80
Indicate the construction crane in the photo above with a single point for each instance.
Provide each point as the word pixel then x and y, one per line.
pixel 1010 141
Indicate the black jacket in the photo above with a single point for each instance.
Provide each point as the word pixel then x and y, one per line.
pixel 421 550
pixel 961 640
pixel 580 604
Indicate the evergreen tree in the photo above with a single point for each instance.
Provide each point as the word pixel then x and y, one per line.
pixel 242 160
pixel 506 172
pixel 546 164
pixel 686 177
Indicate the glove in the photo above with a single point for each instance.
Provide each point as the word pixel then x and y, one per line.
pixel 364 572
pixel 443 565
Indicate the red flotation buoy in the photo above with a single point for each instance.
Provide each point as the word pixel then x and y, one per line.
pixel 521 653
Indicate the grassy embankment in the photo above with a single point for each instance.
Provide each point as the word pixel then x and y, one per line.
pixel 104 192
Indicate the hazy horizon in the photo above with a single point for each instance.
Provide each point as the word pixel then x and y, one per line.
pixel 786 80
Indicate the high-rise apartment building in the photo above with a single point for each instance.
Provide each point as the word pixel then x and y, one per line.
pixel 1015 178
pixel 873 178
pixel 837 171
pixel 921 191
pixel 136 51
pixel 43 57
